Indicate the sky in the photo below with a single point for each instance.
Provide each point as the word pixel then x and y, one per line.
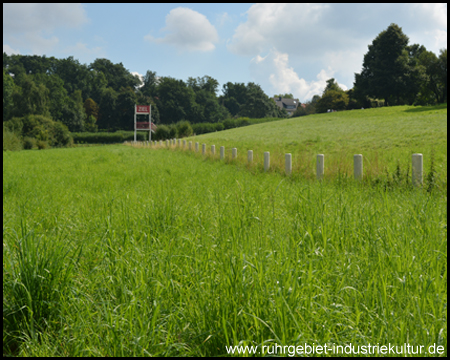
pixel 285 48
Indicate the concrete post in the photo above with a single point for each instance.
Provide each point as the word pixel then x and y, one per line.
pixel 266 161
pixel 250 156
pixel 167 143
pixel 417 169
pixel 222 152
pixel 203 149
pixel 320 166
pixel 358 166
pixel 213 149
pixel 190 145
pixel 196 147
pixel 288 164
pixel 234 153
pixel 160 142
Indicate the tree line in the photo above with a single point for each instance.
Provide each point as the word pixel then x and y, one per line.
pixel 103 94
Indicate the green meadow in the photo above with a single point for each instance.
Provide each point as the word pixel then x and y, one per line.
pixel 140 251
pixel 386 137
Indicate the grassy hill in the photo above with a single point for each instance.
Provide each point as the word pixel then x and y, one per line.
pixel 387 137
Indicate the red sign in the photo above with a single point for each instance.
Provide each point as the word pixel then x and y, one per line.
pixel 142 109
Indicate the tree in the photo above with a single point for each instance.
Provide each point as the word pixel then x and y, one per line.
pixel 125 103
pixel 175 101
pixel 442 73
pixel 8 90
pixel 107 118
pixel 116 75
pixel 383 73
pixel 58 96
pixel 332 99
pixel 30 98
pixel 150 84
pixel 91 108
pixel 73 114
pixel 258 104
pixel 285 96
pixel 90 124
pixel 234 95
pixel 332 85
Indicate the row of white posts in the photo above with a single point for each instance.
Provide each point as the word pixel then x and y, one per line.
pixel 417 160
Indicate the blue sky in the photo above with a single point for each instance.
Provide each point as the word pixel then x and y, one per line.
pixel 286 48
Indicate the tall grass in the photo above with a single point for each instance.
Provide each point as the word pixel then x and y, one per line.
pixel 182 257
pixel 385 136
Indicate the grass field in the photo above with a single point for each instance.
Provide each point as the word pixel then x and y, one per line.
pixel 387 137
pixel 122 251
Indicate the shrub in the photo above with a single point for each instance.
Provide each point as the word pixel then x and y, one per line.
pixel 14 125
pixel 29 142
pixel 162 132
pixel 61 135
pixel 41 144
pixel 11 141
pixel 184 129
pixel 40 128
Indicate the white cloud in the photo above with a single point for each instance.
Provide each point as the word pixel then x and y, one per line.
pixel 274 72
pixel 19 18
pixel 188 30
pixel 32 25
pixel 222 19
pixel 140 76
pixel 9 50
pixel 82 49
pixel 297 47
pixel 309 30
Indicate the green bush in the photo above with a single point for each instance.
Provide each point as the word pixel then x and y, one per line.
pixel 61 135
pixel 41 144
pixel 29 143
pixel 41 128
pixel 11 141
pixel 14 125
pixel 184 129
pixel 107 138
pixel 162 132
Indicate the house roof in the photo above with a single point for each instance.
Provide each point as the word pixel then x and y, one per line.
pixel 287 104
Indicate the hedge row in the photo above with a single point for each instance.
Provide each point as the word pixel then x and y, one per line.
pixel 163 132
pixel 108 138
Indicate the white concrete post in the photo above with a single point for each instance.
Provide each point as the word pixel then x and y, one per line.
pixel 234 153
pixel 179 142
pixel 266 160
pixel 160 142
pixel 190 145
pixel 358 166
pixel 222 152
pixel 167 143
pixel 417 169
pixel 288 164
pixel 250 156
pixel 196 147
pixel 203 149
pixel 184 144
pixel 213 149
pixel 320 166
